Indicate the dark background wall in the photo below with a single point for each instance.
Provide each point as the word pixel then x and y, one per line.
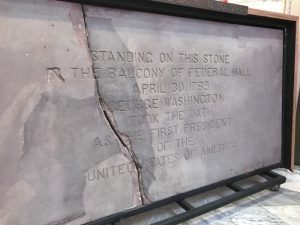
pixel 297 146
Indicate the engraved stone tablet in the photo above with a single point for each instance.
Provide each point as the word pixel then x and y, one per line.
pixel 208 95
pixel 103 110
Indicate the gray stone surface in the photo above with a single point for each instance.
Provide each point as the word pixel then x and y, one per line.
pixel 233 126
pixel 102 110
pixel 53 133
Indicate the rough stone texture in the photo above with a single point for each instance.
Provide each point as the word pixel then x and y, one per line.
pixel 83 136
pixel 53 132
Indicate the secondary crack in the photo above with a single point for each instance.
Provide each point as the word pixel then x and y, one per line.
pixel 124 140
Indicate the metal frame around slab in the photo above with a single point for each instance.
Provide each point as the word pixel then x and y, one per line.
pixel 273 179
pixel 188 11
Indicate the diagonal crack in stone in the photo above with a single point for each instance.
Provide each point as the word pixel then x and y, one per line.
pixel 124 139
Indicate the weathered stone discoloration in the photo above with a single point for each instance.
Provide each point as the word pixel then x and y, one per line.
pixel 124 140
pixel 61 154
pixel 70 154
pixel 53 132
pixel 138 150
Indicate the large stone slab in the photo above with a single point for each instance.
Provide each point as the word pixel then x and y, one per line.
pixel 208 94
pixel 103 110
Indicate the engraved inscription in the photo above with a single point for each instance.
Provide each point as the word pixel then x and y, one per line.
pixel 177 105
pixel 54 72
pixel 106 109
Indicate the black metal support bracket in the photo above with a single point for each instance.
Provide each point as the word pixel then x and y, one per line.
pixel 272 182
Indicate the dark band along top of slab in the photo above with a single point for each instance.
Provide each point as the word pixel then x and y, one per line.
pixel 210 5
pixel 103 110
